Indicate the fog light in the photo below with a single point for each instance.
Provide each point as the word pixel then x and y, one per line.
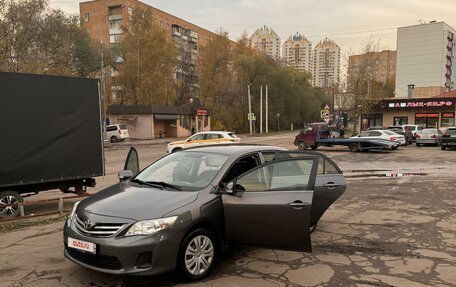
pixel 144 260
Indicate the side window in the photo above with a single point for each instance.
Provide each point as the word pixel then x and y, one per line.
pixel 268 156
pixel 364 134
pixel 111 128
pixel 197 137
pixel 326 167
pixel 210 136
pixel 241 166
pixel 375 134
pixel 288 175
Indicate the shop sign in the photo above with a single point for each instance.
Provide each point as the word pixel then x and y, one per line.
pixel 421 104
pixel 447 115
pixel 201 112
pixel 427 115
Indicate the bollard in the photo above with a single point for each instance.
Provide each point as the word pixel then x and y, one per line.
pixel 21 209
pixel 60 205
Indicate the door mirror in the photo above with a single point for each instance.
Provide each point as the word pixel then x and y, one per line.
pixel 125 174
pixel 229 187
pixel 132 162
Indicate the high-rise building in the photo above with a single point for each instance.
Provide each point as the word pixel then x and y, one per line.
pixel 425 59
pixel 326 64
pixel 385 66
pixel 297 53
pixel 104 19
pixel 266 41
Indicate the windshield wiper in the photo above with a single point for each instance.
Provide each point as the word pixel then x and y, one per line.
pixel 165 184
pixel 151 184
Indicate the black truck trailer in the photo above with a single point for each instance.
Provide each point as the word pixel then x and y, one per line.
pixel 50 136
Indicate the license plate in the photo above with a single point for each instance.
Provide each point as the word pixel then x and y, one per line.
pixel 82 245
pixel 452 136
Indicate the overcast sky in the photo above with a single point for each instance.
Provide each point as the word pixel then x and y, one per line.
pixel 348 22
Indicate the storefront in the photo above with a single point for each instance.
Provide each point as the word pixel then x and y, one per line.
pixel 436 112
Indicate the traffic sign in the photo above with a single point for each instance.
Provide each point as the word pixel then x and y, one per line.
pixel 251 116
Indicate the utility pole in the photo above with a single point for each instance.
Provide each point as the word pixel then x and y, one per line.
pixel 250 109
pixel 267 110
pixel 261 110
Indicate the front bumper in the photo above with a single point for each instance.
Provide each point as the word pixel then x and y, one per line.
pixel 132 255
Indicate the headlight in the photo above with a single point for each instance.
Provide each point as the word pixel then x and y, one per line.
pixel 74 209
pixel 147 227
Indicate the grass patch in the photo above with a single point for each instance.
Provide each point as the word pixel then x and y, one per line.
pixel 24 223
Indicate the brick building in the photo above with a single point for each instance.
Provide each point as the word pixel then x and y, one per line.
pixel 104 18
pixel 385 67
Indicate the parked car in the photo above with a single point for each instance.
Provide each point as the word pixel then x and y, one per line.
pixel 180 211
pixel 449 138
pixel 204 138
pixel 375 128
pixel 383 134
pixel 402 130
pixel 414 129
pixel 429 136
pixel 116 133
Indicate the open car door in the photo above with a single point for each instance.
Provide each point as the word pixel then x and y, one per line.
pixel 329 185
pixel 270 205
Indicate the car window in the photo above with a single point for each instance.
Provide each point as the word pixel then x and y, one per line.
pixel 364 134
pixel 212 136
pixel 308 130
pixel 268 156
pixel 197 137
pixel 375 134
pixel 326 167
pixel 232 135
pixel 188 170
pixel 450 132
pixel 241 166
pixel 111 128
pixel 411 128
pixel 390 133
pixel 288 175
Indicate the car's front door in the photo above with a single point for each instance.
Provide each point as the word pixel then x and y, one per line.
pixel 270 205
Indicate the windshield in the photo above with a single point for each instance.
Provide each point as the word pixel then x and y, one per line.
pixel 186 170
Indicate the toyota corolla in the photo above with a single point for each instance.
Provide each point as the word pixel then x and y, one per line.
pixel 181 211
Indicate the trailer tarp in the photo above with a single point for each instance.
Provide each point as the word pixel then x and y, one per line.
pixel 49 129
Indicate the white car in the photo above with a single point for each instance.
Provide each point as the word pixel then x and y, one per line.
pixel 203 138
pixel 382 134
pixel 116 133
pixel 413 128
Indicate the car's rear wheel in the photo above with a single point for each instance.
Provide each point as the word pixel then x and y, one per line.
pixel 113 139
pixel 353 147
pixel 9 203
pixel 197 254
pixel 443 147
pixel 302 146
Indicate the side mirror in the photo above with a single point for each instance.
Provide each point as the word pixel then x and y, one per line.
pixel 229 187
pixel 124 175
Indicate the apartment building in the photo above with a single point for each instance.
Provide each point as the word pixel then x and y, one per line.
pixel 326 64
pixel 266 41
pixel 425 59
pixel 104 19
pixel 384 64
pixel 297 53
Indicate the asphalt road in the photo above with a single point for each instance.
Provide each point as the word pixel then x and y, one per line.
pixel 384 231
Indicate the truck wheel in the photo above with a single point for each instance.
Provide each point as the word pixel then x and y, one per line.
pixel 353 147
pixel 314 147
pixel 302 146
pixel 9 203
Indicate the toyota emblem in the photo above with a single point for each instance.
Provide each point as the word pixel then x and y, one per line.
pixel 88 224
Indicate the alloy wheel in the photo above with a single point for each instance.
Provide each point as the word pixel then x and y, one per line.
pixel 8 206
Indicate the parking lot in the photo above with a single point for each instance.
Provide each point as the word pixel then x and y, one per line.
pixel 394 226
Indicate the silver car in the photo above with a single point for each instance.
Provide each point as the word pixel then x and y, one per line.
pixel 183 209
pixel 429 136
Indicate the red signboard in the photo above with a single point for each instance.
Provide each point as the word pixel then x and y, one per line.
pixel 201 112
pixel 447 115
pixel 427 115
pixel 420 104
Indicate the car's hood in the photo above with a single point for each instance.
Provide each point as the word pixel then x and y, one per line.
pixel 136 202
pixel 176 142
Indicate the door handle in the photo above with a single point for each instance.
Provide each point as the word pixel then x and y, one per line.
pixel 331 185
pixel 299 204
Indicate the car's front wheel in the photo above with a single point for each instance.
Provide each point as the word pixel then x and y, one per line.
pixel 197 254
pixel 9 203
pixel 302 146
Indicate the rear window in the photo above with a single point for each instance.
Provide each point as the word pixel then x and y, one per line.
pixel 433 131
pixel 411 128
pixel 390 133
pixel 122 127
pixel 111 128
pixel 451 131
pixel 232 135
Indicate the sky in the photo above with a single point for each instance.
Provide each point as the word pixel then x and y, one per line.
pixel 348 22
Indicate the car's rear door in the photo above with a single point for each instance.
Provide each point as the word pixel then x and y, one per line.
pixel 330 183
pixel 270 205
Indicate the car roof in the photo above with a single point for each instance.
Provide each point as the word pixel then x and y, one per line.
pixel 214 132
pixel 232 149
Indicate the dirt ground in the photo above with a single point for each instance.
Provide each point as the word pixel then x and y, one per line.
pixel 384 231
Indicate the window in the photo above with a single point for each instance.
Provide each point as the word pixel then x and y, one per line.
pixel 213 136
pixel 115 24
pixel 86 17
pixel 197 137
pixel 399 121
pixel 374 134
pixel 268 156
pixel 288 175
pixel 447 120
pixel 326 167
pixel 241 166
pixel 114 38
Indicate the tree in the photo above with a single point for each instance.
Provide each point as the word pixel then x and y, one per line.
pixel 149 59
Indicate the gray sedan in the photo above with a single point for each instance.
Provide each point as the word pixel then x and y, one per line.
pixel 429 136
pixel 183 209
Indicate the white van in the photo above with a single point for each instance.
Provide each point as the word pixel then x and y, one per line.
pixel 116 133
